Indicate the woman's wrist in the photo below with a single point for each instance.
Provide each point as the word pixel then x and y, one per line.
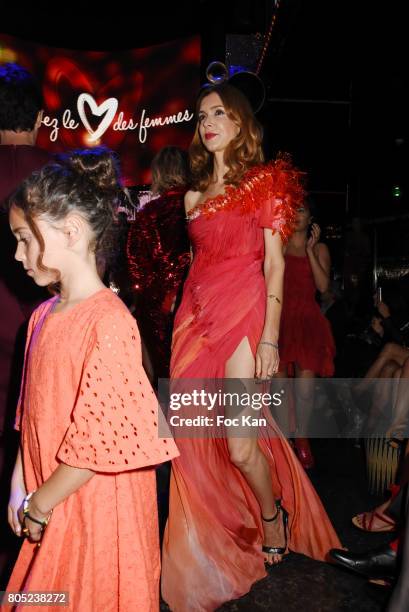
pixel 269 338
pixel 267 343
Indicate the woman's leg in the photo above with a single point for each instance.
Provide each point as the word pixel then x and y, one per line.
pixel 400 415
pixel 382 394
pixel 304 395
pixel 390 351
pixel 378 519
pixel 247 456
pixel 304 402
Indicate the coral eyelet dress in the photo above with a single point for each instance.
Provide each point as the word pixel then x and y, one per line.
pixel 86 402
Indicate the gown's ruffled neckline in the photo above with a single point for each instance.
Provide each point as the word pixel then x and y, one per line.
pixel 278 181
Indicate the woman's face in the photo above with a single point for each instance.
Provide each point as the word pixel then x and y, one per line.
pixel 302 218
pixel 216 129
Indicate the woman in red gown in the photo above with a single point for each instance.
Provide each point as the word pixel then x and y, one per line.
pixel 306 342
pixel 217 540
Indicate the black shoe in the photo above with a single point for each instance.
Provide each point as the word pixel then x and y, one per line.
pixel 277 550
pixel 378 563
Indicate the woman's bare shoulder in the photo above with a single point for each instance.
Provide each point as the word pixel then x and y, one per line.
pixel 191 199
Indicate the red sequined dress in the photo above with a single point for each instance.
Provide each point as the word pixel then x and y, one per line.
pixel 305 334
pixel 213 538
pixel 158 255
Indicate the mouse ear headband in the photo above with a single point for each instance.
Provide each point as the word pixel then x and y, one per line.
pixel 247 82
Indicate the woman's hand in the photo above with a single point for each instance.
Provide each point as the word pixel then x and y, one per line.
pixel 314 238
pixel 267 361
pixel 383 310
pixel 376 325
pixel 34 530
pixel 17 494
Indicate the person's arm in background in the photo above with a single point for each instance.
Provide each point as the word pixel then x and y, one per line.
pixel 320 260
pixel 391 331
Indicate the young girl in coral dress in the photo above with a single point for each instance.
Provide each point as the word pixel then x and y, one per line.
pixel 83 483
pixel 230 497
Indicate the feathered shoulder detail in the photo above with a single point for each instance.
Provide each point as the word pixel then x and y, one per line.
pixel 275 189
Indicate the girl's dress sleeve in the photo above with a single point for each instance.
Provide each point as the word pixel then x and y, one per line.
pixel 114 422
pixel 281 192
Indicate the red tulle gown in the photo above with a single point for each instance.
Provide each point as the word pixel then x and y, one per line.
pixel 213 538
pixel 305 334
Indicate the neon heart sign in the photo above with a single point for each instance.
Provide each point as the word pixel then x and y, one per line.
pixel 108 108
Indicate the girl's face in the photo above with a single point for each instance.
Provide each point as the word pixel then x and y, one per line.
pixel 28 248
pixel 216 129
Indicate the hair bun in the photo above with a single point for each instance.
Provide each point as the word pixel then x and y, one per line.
pixel 98 165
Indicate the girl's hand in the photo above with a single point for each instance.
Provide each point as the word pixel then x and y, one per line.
pixel 267 361
pixel 314 238
pixel 34 530
pixel 18 493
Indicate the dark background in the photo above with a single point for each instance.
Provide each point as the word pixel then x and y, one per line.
pixel 336 88
pixel 335 79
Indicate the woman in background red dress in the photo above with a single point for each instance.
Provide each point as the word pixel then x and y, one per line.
pixel 306 342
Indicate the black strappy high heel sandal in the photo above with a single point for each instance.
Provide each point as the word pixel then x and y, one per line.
pixel 277 550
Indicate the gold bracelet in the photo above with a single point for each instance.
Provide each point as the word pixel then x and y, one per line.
pixel 272 296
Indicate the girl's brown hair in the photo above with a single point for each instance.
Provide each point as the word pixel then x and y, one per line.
pixel 243 152
pixel 85 181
